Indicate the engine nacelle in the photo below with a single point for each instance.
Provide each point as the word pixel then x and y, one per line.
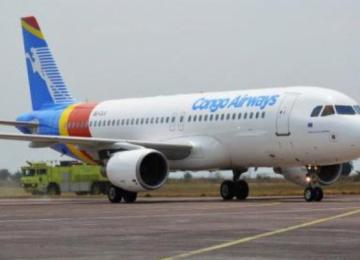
pixel 138 170
pixel 327 175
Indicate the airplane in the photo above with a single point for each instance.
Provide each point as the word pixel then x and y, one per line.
pixel 310 135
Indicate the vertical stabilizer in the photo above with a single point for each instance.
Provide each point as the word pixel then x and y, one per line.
pixel 46 83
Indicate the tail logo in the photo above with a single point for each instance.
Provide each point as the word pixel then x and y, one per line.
pixel 43 64
pixel 37 68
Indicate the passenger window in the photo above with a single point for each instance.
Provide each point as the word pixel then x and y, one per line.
pixel 137 121
pixel 345 110
pixel 328 110
pixel 123 122
pixel 147 120
pixel 189 119
pixel 227 116
pixel 251 115
pixel 205 117
pixel 263 114
pixel 194 118
pixel 162 120
pixel 239 116
pixel 216 117
pixel 257 115
pixel 233 116
pixel 316 111
pixel 245 115
pixel 200 118
pixel 222 117
pixel 211 117
pixel 167 119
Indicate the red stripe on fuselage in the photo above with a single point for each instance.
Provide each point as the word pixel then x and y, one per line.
pixel 78 122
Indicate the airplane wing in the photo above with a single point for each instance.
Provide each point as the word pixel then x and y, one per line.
pixel 173 151
pixel 19 123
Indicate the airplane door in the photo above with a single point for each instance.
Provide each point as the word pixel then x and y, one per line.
pixel 283 114
pixel 181 121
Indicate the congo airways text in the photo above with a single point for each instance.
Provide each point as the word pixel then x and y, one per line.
pixel 249 101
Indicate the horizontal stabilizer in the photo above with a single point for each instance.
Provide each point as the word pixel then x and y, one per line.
pixel 19 124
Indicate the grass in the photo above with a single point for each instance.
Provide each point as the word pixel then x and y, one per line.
pixel 210 188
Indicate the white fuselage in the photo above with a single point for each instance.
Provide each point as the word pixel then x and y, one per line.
pixel 262 128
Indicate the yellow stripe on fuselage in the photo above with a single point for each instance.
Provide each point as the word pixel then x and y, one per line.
pixel 32 30
pixel 63 122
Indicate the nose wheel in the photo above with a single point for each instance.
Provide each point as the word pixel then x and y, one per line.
pixel 313 194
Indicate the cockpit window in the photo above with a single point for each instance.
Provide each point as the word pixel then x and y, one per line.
pixel 357 109
pixel 345 110
pixel 316 111
pixel 328 110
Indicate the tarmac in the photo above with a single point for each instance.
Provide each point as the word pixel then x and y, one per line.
pixel 190 228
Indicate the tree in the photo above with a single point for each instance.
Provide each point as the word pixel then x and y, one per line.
pixel 4 174
pixel 187 176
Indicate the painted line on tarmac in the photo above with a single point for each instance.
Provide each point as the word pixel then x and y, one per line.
pixel 262 235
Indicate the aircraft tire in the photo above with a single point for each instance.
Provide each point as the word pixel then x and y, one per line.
pixel 227 190
pixel 319 194
pixel 114 194
pixel 309 194
pixel 241 190
pixel 129 197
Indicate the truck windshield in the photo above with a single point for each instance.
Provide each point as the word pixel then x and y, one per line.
pixel 28 172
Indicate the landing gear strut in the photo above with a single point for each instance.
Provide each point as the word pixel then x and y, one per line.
pixel 235 188
pixel 116 194
pixel 313 192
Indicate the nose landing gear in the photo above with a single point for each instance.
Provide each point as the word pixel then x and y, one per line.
pixel 235 188
pixel 313 192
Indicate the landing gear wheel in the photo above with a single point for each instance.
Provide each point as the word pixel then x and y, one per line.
pixel 241 190
pixel 319 194
pixel 114 194
pixel 313 194
pixel 309 194
pixel 129 197
pixel 227 190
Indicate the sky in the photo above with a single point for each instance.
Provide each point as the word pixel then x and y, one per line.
pixel 109 49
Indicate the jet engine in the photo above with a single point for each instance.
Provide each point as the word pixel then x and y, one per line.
pixel 326 175
pixel 137 170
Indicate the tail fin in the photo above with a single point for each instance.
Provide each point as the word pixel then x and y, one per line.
pixel 46 84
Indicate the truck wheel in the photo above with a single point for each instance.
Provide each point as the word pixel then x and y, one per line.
pixel 95 189
pixel 53 189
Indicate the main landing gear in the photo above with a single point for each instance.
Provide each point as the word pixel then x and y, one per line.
pixel 313 192
pixel 116 194
pixel 235 188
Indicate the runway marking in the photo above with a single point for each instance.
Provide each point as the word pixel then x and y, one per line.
pixel 262 235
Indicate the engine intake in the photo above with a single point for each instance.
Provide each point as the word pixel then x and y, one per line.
pixel 138 170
